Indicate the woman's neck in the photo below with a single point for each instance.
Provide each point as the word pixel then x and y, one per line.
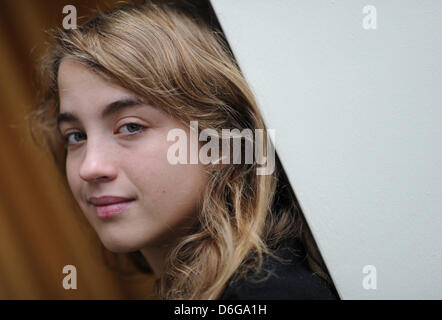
pixel 155 257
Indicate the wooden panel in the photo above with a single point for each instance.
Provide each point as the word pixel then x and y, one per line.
pixel 41 229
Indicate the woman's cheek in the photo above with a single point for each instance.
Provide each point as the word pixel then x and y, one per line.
pixel 72 177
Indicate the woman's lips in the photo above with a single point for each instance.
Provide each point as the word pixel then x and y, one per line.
pixel 110 206
pixel 111 210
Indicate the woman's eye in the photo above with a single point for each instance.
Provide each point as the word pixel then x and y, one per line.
pixel 132 128
pixel 74 138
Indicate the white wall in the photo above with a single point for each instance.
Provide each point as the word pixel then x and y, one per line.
pixel 358 117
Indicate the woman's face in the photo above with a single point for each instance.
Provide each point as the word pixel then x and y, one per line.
pixel 117 147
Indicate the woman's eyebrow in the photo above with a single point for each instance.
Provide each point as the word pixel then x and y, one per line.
pixel 110 109
pixel 119 105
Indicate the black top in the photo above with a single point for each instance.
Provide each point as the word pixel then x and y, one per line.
pixel 292 279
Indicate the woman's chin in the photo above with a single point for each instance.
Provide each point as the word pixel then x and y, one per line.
pixel 117 245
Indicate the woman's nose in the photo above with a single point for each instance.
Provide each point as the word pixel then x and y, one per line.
pixel 97 164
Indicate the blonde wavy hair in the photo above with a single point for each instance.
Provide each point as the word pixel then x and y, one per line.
pixel 175 55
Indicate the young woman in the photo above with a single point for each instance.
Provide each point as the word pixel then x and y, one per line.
pixel 116 88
